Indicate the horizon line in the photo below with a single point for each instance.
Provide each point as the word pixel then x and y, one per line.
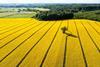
pixel 49 3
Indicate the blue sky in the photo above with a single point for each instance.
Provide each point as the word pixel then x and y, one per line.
pixel 49 1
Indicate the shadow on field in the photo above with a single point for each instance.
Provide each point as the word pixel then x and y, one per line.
pixel 64 29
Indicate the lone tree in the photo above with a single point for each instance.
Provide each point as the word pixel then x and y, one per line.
pixel 64 29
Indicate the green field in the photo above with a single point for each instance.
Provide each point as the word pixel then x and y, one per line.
pixel 13 13
pixel 92 15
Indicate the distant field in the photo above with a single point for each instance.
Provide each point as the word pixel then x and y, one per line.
pixel 41 13
pixel 92 15
pixel 33 43
pixel 14 13
pixel 17 15
pixel 3 15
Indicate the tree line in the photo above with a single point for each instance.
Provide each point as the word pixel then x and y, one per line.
pixel 68 11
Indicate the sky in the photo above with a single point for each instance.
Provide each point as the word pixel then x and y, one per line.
pixel 49 1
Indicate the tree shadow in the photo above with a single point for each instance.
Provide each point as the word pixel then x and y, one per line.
pixel 71 35
pixel 64 29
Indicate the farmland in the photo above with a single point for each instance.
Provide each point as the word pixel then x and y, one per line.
pixel 16 13
pixel 32 43
pixel 51 11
